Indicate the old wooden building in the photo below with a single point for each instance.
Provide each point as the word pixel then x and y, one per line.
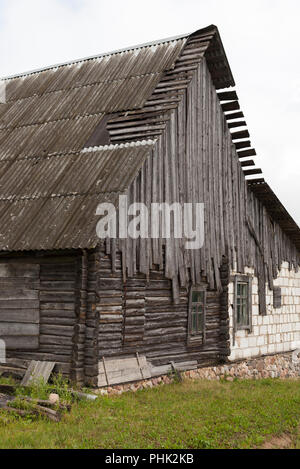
pixel 160 123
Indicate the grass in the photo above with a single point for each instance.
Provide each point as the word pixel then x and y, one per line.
pixel 189 415
pixel 42 390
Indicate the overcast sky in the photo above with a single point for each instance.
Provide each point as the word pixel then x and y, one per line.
pixel 261 39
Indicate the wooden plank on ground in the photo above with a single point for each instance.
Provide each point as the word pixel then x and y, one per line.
pixel 123 370
pixel 38 371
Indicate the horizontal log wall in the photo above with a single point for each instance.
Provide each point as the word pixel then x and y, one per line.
pixel 139 315
pixel 20 306
pixel 57 312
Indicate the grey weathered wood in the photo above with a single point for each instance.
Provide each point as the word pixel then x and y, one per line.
pixel 18 329
pixel 204 166
pixel 133 297
pixel 23 316
pixel 38 371
pixel 122 370
pixel 19 305
pixel 19 270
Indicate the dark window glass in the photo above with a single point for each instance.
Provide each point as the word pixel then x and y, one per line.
pixel 242 304
pixel 197 313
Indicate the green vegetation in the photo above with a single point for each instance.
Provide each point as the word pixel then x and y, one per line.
pixel 41 390
pixel 194 415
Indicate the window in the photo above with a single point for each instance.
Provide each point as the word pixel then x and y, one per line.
pixel 197 313
pixel 243 303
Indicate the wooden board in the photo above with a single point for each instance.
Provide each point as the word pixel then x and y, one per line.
pixel 19 270
pixel 24 343
pixel 24 316
pixel 123 370
pixel 18 329
pixel 38 371
pixel 20 305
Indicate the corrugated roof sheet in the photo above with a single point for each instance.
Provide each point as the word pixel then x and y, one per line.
pixel 107 97
pixel 154 58
pixel 56 110
pixel 50 203
pixel 49 188
pixel 59 136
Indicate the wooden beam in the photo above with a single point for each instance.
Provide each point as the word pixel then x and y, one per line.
pixel 36 371
pixel 15 329
pixel 250 172
pixel 23 343
pixel 237 124
pixel 244 164
pixel 240 135
pixel 232 106
pixel 253 233
pixel 219 70
pixel 246 153
pixel 255 181
pixel 228 96
pixel 240 145
pixel 234 115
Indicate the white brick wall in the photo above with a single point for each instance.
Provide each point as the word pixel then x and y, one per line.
pixel 277 332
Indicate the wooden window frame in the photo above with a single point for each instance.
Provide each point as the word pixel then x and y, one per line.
pixel 200 338
pixel 248 280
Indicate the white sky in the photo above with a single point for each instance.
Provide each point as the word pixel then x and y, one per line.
pixel 261 39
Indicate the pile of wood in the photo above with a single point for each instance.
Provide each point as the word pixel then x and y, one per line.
pixel 10 403
pixel 26 406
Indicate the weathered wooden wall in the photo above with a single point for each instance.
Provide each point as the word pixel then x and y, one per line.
pixel 57 312
pixel 195 160
pixel 20 305
pixel 133 297
pixel 143 284
pixel 139 315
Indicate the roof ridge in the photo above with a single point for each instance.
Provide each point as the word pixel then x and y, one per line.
pixel 137 143
pixel 95 57
pixel 156 42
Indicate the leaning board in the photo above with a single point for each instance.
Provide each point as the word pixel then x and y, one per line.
pixel 38 371
pixel 123 370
